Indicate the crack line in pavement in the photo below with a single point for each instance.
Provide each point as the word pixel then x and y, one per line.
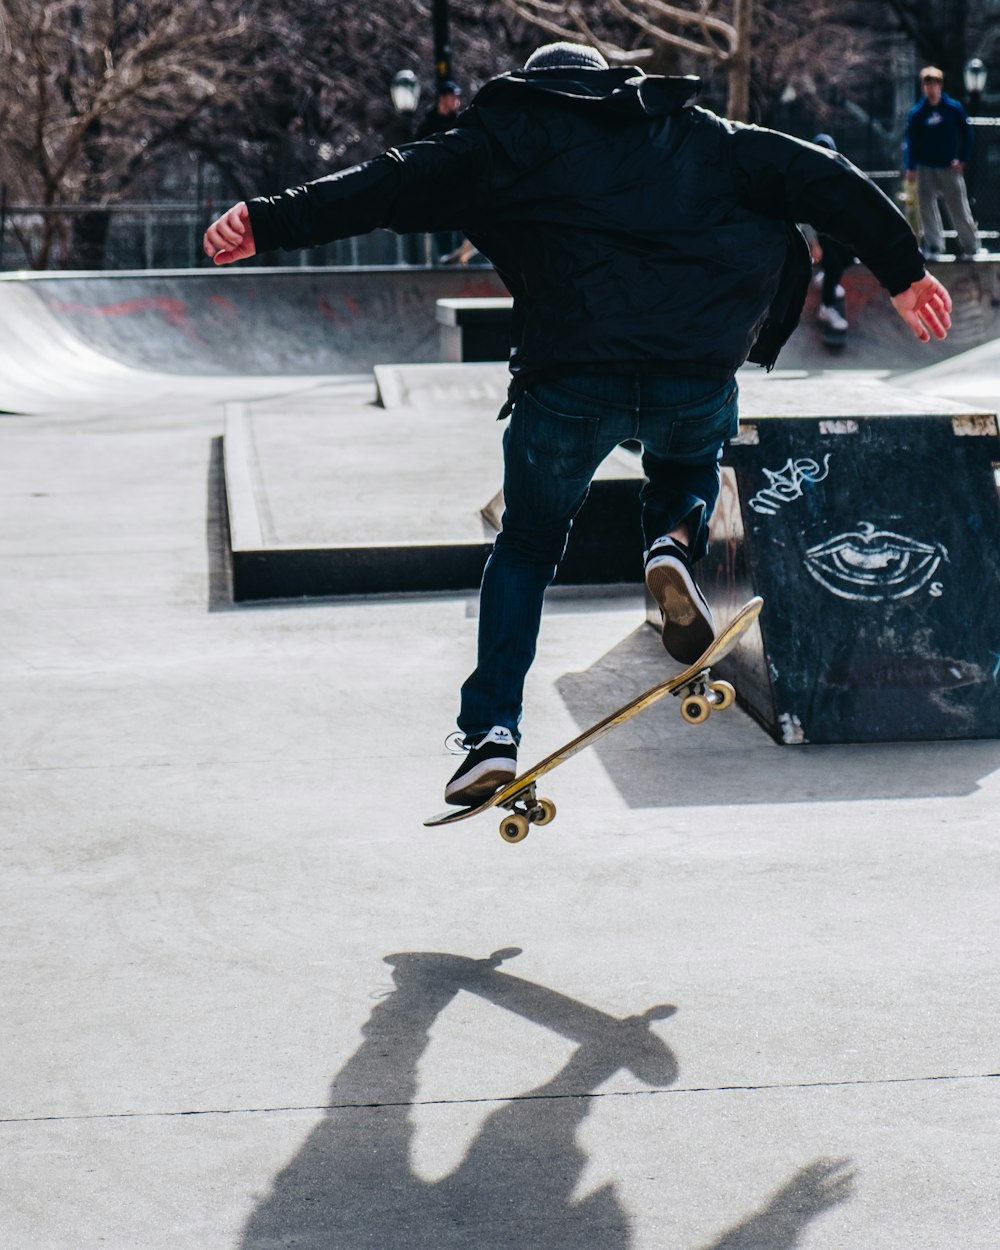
pixel 498 1098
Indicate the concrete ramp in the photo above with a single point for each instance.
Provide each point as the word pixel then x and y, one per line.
pixel 43 363
pixel 878 338
pixel 972 378
pixel 80 333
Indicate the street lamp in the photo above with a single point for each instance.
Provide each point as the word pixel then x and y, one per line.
pixel 442 43
pixel 974 75
pixel 405 92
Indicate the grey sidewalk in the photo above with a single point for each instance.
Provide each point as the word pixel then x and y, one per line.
pixel 756 1001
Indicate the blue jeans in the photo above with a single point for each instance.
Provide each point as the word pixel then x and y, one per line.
pixel 560 430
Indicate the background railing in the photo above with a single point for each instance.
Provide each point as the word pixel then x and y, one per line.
pixel 168 236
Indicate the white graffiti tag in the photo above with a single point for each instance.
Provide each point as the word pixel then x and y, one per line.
pixel 788 483
pixel 873 564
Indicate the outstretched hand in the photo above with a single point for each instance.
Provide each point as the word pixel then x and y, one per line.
pixel 925 306
pixel 230 237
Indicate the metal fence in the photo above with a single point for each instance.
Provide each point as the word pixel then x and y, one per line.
pixel 168 236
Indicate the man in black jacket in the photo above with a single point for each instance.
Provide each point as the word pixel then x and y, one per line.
pixel 651 249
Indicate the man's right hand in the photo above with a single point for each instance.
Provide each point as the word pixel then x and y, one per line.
pixel 925 306
pixel 230 237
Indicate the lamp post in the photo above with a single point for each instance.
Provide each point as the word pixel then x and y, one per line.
pixel 974 76
pixel 405 93
pixel 442 43
pixel 404 90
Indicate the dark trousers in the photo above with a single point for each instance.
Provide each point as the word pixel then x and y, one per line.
pixel 560 431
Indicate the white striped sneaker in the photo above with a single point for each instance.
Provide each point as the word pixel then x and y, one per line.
pixel 490 764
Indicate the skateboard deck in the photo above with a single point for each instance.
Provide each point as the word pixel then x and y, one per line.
pixel 698 694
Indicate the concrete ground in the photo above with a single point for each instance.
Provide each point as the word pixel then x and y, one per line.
pixel 737 997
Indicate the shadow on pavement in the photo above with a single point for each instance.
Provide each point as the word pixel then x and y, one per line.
pixel 780 1224
pixel 731 759
pixel 352 1184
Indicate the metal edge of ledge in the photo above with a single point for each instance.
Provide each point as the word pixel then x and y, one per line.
pixel 245 533
pixel 388 390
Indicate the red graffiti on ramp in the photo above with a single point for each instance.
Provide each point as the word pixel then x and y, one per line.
pixel 173 311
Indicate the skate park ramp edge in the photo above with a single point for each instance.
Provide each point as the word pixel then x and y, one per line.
pixel 77 332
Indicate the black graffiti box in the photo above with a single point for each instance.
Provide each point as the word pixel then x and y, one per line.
pixel 875 543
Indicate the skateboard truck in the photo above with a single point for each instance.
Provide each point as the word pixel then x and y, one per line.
pixel 700 697
pixel 526 809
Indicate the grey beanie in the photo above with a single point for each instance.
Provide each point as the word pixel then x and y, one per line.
pixel 565 56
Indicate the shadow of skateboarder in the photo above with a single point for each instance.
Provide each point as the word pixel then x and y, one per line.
pixel 352 1184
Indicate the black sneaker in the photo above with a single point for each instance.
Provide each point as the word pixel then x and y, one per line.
pixel 688 624
pixel 490 764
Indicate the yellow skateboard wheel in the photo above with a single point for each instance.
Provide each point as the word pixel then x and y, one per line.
pixel 725 693
pixel 546 812
pixel 695 709
pixel 514 828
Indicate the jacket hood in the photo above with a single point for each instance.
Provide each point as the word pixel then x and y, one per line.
pixel 625 89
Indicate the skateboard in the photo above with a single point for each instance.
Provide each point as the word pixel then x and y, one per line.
pixel 699 697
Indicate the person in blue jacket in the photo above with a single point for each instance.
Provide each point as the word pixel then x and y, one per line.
pixel 936 146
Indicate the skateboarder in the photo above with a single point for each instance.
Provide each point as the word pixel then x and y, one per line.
pixel 651 249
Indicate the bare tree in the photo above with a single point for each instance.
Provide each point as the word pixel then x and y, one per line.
pixel 815 54
pixel 94 88
pixel 938 30
pixel 718 30
pixel 104 98
pixel 327 99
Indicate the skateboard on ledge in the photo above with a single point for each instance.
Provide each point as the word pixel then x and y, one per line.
pixel 699 696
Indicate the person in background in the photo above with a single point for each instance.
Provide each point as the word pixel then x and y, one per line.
pixel 450 248
pixel 446 108
pixel 835 259
pixel 936 145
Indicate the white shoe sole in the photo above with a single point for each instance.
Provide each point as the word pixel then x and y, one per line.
pixel 480 782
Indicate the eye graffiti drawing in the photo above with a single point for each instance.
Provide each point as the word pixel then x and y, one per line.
pixel 873 564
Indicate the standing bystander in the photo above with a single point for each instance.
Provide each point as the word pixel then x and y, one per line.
pixel 936 146
pixel 446 108
pixel 835 259
pixel 449 245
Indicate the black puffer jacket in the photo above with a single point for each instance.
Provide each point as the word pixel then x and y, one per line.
pixel 632 228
